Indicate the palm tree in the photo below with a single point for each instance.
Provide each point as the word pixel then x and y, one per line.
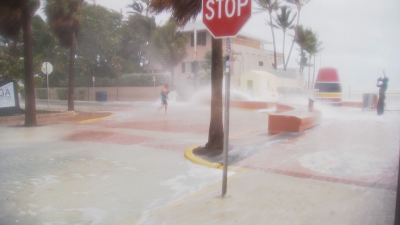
pixel 270 6
pixel 314 46
pixel 182 12
pixel 284 22
pixel 137 8
pixel 303 40
pixel 64 17
pixel 14 15
pixel 299 4
pixel 168 46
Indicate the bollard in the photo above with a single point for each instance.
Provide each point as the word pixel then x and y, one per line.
pixel 310 104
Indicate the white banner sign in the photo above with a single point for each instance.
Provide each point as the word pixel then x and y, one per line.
pixel 7 95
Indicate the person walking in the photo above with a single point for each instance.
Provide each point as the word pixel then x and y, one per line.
pixel 164 98
pixel 382 83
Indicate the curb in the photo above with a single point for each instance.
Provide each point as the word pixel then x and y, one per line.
pixel 97 119
pixel 195 159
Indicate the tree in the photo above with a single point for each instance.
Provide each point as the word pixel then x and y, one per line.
pixel 312 49
pixel 270 6
pixel 14 15
pixel 284 22
pixel 182 12
pixel 308 42
pixel 99 40
pixel 64 17
pixel 136 33
pixel 137 8
pixel 299 4
pixel 303 39
pixel 168 46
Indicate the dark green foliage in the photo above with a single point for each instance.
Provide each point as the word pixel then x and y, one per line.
pixel 62 93
pixel 41 93
pixel 136 34
pixel 64 17
pixel 81 94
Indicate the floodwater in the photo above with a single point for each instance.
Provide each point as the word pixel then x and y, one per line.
pixel 122 169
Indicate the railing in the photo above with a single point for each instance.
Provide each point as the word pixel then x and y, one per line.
pixel 392 101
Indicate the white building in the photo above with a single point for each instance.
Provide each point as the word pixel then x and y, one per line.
pixel 248 52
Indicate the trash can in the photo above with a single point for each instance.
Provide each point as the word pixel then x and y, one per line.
pixel 370 100
pixel 101 96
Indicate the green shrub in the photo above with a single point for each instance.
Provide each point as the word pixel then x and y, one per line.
pixel 21 90
pixel 41 93
pixel 62 93
pixel 81 94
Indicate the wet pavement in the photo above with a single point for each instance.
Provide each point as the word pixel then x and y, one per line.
pixel 130 168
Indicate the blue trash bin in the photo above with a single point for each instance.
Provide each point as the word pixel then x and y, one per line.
pixel 101 96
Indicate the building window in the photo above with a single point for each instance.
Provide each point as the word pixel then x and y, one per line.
pixel 201 38
pixel 261 63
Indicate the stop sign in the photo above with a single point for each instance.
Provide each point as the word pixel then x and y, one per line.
pixel 225 18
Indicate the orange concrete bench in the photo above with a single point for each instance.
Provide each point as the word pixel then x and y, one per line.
pixel 352 104
pixel 253 105
pixel 292 119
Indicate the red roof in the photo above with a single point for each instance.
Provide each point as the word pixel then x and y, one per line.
pixel 328 75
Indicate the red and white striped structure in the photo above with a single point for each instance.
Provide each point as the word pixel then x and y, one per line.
pixel 329 86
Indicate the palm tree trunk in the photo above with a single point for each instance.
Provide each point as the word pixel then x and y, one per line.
pixel 30 104
pixel 71 73
pixel 283 49
pixel 294 39
pixel 216 131
pixel 273 40
pixel 309 75
pixel 313 76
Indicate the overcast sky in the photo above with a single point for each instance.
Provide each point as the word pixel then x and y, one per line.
pixel 361 38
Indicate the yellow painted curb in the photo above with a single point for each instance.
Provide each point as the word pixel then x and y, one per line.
pixel 193 158
pixel 97 119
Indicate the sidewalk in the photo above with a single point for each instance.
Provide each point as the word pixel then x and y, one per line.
pixel 130 169
pixel 341 172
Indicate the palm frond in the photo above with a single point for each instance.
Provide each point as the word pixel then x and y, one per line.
pixel 182 11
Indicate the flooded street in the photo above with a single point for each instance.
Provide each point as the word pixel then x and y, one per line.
pixel 130 169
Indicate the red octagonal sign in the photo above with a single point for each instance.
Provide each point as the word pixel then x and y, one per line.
pixel 225 18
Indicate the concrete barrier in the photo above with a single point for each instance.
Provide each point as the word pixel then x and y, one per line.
pixel 292 119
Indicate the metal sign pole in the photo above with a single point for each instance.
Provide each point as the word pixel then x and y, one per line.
pixel 226 118
pixel 94 90
pixel 48 94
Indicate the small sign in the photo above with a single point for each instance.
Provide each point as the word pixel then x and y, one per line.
pixel 7 95
pixel 93 79
pixel 47 68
